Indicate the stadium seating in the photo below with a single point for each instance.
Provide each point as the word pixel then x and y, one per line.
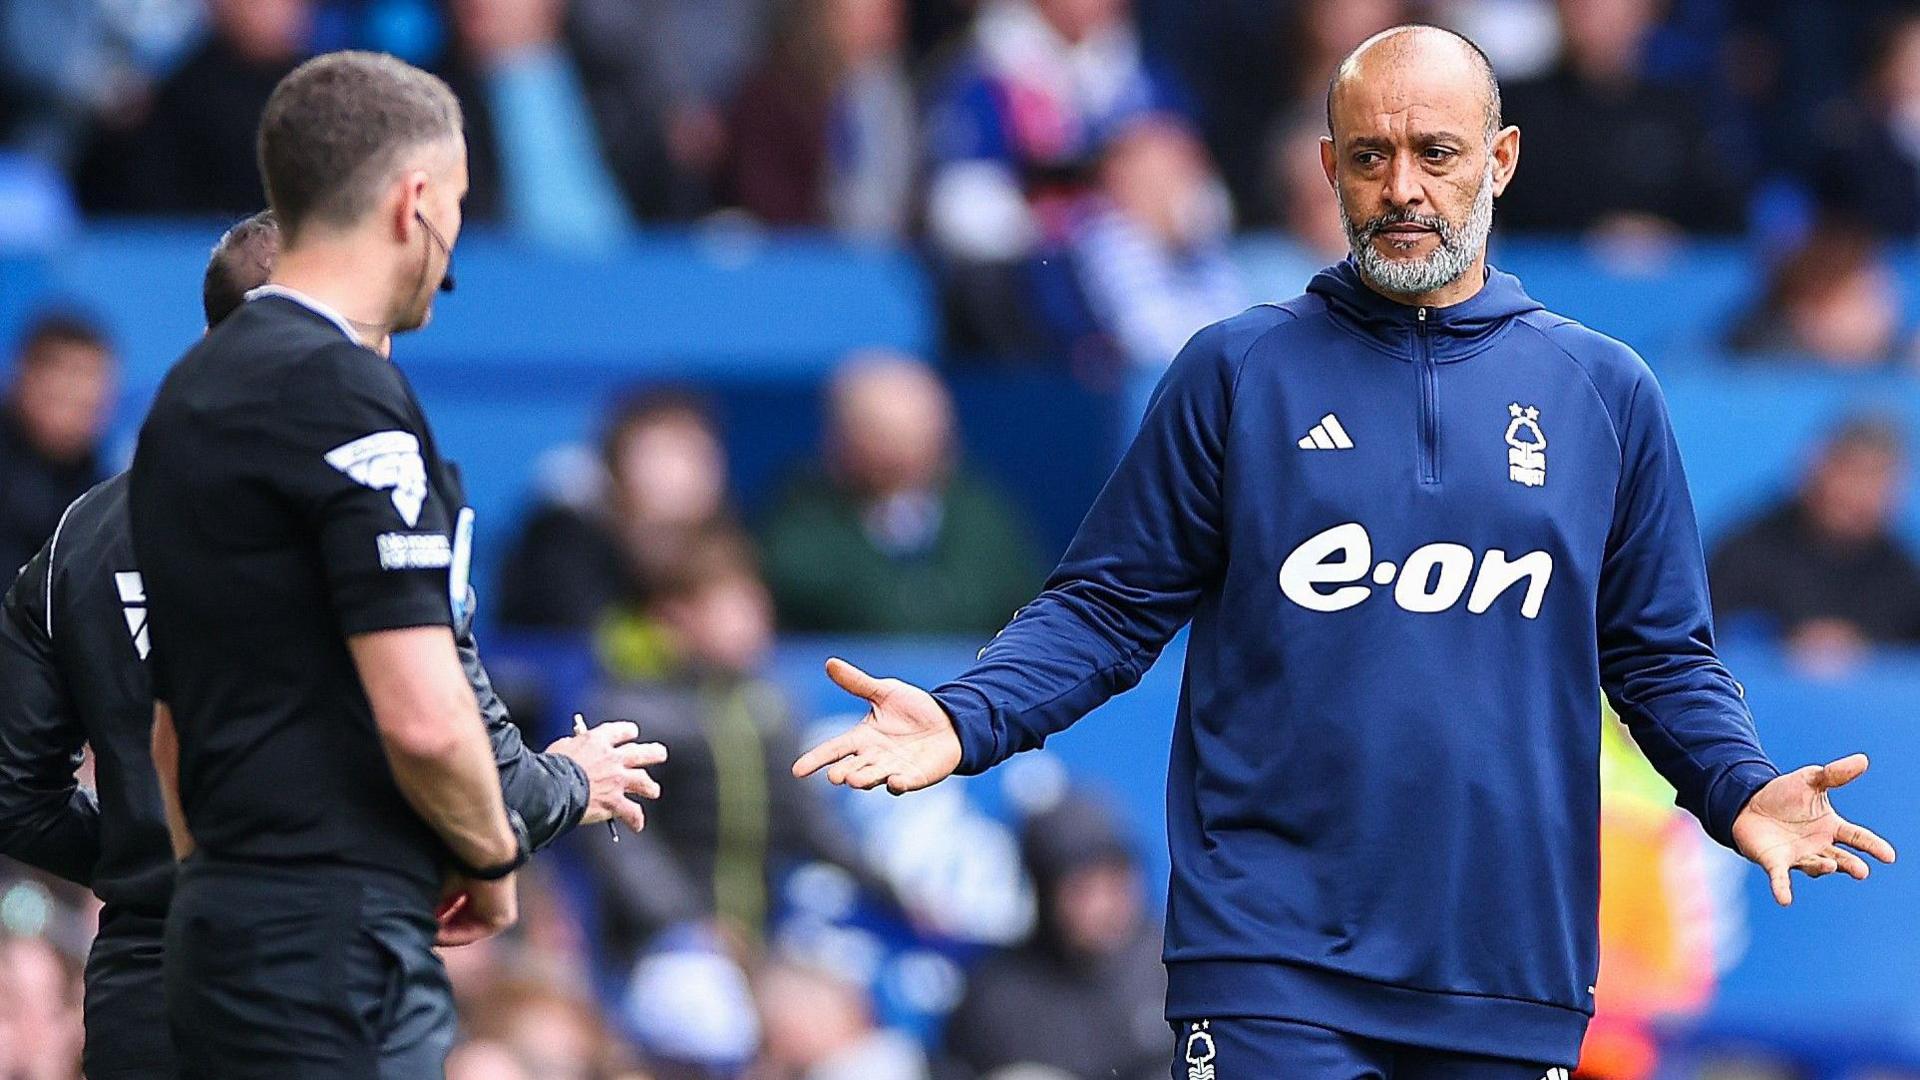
pixel 525 355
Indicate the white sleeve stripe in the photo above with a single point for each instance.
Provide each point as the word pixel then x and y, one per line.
pixel 53 547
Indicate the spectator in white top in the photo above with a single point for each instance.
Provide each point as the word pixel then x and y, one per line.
pixel 1017 118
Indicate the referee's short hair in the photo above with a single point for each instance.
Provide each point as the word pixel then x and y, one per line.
pixel 241 262
pixel 336 127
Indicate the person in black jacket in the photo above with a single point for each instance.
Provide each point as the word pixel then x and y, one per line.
pixel 660 480
pixel 73 641
pixel 1823 571
pixel 684 666
pixel 1610 150
pixel 50 429
pixel 1867 148
pixel 193 150
pixel 1083 994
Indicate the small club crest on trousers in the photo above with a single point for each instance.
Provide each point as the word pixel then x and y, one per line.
pixel 1526 446
pixel 1200 1051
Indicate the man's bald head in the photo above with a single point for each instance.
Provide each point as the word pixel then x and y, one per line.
pixel 1439 55
pixel 891 423
pixel 1417 155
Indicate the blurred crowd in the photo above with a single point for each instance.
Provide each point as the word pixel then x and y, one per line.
pixel 746 931
pixel 1075 172
pixel 886 532
pixel 717 993
pixel 1073 168
pixel 762 928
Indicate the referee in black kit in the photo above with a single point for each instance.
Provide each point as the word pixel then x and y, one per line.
pixel 304 550
pixel 73 636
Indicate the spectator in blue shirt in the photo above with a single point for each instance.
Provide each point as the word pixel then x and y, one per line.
pixel 538 161
pixel 1152 253
pixel 1017 120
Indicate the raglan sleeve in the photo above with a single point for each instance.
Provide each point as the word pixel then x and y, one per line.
pixel 548 791
pixel 47 820
pixel 350 453
pixel 1657 661
pixel 1149 546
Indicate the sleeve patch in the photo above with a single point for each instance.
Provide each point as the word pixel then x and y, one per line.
pixel 133 603
pixel 387 460
pixel 458 593
pixel 414 551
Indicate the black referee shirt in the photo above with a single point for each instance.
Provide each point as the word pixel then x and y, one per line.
pixel 73 641
pixel 286 496
pixel 73 630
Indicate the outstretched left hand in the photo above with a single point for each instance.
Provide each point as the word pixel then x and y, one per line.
pixel 1791 825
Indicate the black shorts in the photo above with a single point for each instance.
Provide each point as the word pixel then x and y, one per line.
pixel 126 1011
pixel 303 974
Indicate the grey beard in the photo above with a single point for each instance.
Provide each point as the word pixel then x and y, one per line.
pixel 1458 248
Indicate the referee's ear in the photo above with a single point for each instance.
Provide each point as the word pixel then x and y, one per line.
pixel 411 202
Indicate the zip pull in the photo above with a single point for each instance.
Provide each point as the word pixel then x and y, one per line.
pixel 1429 433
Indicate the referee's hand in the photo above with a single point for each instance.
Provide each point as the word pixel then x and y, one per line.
pixel 472 910
pixel 616 768
pixel 906 742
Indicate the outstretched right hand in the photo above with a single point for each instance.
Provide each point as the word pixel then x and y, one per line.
pixel 907 741
pixel 616 767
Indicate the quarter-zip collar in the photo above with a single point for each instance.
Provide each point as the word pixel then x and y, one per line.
pixel 1454 332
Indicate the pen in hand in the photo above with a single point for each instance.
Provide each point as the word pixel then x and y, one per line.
pixel 580 728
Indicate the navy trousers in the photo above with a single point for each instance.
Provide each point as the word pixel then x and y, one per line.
pixel 1247 1048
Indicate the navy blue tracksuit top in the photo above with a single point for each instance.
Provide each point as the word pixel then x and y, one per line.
pixel 1415 545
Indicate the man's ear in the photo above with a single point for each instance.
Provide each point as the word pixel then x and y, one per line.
pixel 1506 158
pixel 1326 159
pixel 413 189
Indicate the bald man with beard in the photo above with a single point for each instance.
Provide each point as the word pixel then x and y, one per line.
pixel 1419 525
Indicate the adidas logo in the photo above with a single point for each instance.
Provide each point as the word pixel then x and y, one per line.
pixel 1327 435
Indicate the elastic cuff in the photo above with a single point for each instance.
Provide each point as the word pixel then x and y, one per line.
pixel 579 790
pixel 972 720
pixel 1732 792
